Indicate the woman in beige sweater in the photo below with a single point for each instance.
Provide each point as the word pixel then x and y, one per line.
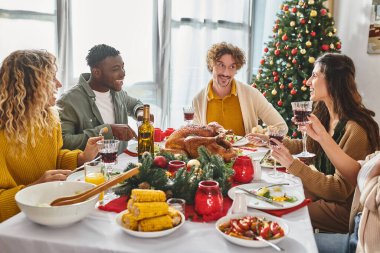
pixel 339 106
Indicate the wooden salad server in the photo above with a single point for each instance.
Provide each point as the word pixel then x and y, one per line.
pixel 69 200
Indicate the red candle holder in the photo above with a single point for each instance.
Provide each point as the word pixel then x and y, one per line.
pixel 208 198
pixel 175 165
pixel 243 169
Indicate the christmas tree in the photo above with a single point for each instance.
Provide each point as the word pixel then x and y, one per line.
pixel 303 31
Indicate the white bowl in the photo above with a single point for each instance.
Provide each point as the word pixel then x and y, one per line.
pixel 252 243
pixel 34 202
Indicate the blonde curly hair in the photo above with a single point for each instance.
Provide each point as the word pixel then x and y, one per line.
pixel 219 49
pixel 27 82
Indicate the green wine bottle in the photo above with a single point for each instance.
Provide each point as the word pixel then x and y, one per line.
pixel 145 134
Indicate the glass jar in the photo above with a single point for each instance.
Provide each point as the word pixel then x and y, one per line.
pixel 208 198
pixel 243 169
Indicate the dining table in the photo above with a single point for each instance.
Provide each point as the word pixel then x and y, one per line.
pixel 99 233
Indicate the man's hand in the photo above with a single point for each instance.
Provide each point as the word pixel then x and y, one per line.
pixel 123 132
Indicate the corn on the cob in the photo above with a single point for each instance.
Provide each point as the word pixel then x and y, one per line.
pixel 129 221
pixel 149 209
pixel 176 217
pixel 130 204
pixel 142 195
pixel 155 224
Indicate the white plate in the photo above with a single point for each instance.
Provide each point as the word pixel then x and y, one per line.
pixel 147 234
pixel 76 176
pixel 241 142
pixel 252 243
pixel 132 147
pixel 260 204
pixel 254 153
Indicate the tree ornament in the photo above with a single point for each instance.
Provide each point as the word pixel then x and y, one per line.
pixel 294 61
pixel 332 46
pixel 266 50
pixel 334 30
pixel 294 51
pixel 262 61
pixel 280 103
pixel 282 86
pixel 338 45
pixel 323 12
pixel 279 31
pixel 274 92
pixel 293 92
pixel 271 62
pixel 286 47
pixel 310 2
pixel 290 85
pixel 300 3
pixel 304 81
pixel 308 43
pixel 266 86
pixel 313 13
pixel 278 44
pixel 304 88
pixel 319 24
pixel 264 93
pixel 275 73
pixel 285 37
pixel 330 34
pixel 303 21
pixel 294 9
pixel 325 47
pixel 288 65
pixel 294 134
pixel 285 8
pixel 312 34
pixel 275 78
pixel 299 14
pixel 254 85
pixel 292 23
pixel 311 59
pixel 309 22
pixel 277 52
pixel 303 51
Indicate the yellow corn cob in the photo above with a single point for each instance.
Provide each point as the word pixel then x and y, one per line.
pixel 149 209
pixel 142 195
pixel 155 224
pixel 130 204
pixel 176 217
pixel 129 221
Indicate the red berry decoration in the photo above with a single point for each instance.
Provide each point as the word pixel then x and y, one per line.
pixel 279 103
pixel 290 85
pixel 266 50
pixel 323 12
pixel 325 47
pixel 293 92
pixel 275 78
pixel 294 51
pixel 313 34
pixel 277 52
pixel 285 37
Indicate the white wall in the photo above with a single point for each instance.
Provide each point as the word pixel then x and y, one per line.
pixel 352 22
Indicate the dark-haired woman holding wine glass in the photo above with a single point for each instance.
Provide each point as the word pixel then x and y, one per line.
pixel 338 105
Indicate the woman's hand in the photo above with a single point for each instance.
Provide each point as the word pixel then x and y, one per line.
pixel 257 139
pixel 90 151
pixel 52 175
pixel 282 154
pixel 316 130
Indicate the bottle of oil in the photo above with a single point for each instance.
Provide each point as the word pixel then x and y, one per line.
pixel 145 134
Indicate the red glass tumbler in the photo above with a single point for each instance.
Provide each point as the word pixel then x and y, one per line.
pixel 243 169
pixel 175 165
pixel 208 198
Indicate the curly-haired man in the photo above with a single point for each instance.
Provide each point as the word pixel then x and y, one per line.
pixel 232 104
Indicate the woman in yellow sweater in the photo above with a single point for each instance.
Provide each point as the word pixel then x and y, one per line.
pixel 30 132
pixel 339 106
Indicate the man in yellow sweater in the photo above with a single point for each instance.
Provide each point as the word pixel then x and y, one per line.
pixel 30 132
pixel 232 104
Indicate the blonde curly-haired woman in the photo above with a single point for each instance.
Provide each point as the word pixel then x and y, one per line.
pixel 30 132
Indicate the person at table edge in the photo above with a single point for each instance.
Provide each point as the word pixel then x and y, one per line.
pixel 233 104
pixel 98 101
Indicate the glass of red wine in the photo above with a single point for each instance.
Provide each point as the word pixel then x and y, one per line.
pixel 188 114
pixel 108 153
pixel 278 133
pixel 301 111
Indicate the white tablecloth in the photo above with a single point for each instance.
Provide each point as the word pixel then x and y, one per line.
pixel 99 233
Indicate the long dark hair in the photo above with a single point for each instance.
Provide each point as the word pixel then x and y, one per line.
pixel 339 71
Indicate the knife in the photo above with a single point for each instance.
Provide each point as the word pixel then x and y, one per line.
pixel 268 200
pixel 265 156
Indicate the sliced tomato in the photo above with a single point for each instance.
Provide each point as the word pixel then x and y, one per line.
pixel 265 232
pixel 243 225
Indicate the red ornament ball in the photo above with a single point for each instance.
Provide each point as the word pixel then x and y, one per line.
pixel 294 134
pixel 303 21
pixel 266 50
pixel 275 78
pixel 313 34
pixel 262 61
pixel 279 103
pixel 294 10
pixel 304 82
pixel 294 51
pixel 285 37
pixel 325 47
pixel 294 61
pixel 275 73
pixel 338 45
pixel 293 92
pixel 160 161
pixel 290 85
pixel 282 86
pixel 277 52
pixel 285 8
pixel 323 12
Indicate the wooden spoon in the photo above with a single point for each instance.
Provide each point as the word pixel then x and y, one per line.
pixel 69 200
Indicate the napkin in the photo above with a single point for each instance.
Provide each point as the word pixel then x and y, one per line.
pixel 280 213
pixel 116 205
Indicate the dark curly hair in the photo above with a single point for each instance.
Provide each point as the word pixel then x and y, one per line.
pixel 218 50
pixel 339 71
pixel 98 53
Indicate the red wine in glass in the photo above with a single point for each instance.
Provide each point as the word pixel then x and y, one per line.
pixel 109 157
pixel 189 115
pixel 300 116
pixel 277 137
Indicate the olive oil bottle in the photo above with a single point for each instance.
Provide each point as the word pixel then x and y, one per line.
pixel 145 134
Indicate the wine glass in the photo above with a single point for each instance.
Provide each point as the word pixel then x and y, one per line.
pixel 301 111
pixel 278 133
pixel 108 153
pixel 188 114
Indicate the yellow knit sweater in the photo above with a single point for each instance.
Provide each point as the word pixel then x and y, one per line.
pixel 17 172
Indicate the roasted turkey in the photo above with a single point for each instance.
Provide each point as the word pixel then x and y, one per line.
pixel 189 138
